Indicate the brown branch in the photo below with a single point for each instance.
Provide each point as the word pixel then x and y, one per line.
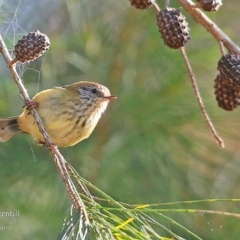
pixel 221 47
pixel 58 159
pixel 155 6
pixel 199 99
pixel 210 26
pixel 221 38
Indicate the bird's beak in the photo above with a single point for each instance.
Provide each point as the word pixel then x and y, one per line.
pixel 109 98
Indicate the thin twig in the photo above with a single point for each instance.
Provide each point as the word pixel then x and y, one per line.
pixel 210 26
pixel 222 50
pixel 22 90
pixel 72 171
pixel 167 3
pixel 156 6
pixel 58 159
pixel 199 99
pixel 63 167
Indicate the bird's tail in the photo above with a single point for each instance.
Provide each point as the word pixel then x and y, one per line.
pixel 8 128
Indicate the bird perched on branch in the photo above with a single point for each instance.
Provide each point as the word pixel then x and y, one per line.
pixel 69 114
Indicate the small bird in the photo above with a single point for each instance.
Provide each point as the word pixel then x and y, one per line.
pixel 69 114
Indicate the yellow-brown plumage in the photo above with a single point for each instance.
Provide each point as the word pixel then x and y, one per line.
pixel 69 114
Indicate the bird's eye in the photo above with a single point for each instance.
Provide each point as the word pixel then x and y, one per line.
pixel 94 90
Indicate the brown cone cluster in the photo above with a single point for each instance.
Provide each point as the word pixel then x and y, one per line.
pixel 227 83
pixel 173 28
pixel 227 95
pixel 229 67
pixel 31 46
pixel 210 5
pixel 141 4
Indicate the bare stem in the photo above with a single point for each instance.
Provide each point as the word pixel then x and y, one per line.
pixel 167 3
pixel 58 159
pixel 72 171
pixel 222 50
pixel 156 7
pixel 210 26
pixel 199 99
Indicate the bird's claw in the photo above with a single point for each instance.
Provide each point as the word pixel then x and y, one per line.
pixel 31 104
pixel 52 147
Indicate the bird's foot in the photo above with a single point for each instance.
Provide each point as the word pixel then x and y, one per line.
pixel 31 104
pixel 52 147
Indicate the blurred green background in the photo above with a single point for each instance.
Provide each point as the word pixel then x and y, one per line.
pixel 152 144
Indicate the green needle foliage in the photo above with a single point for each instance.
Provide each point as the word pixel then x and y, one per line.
pixel 113 220
pixel 110 219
